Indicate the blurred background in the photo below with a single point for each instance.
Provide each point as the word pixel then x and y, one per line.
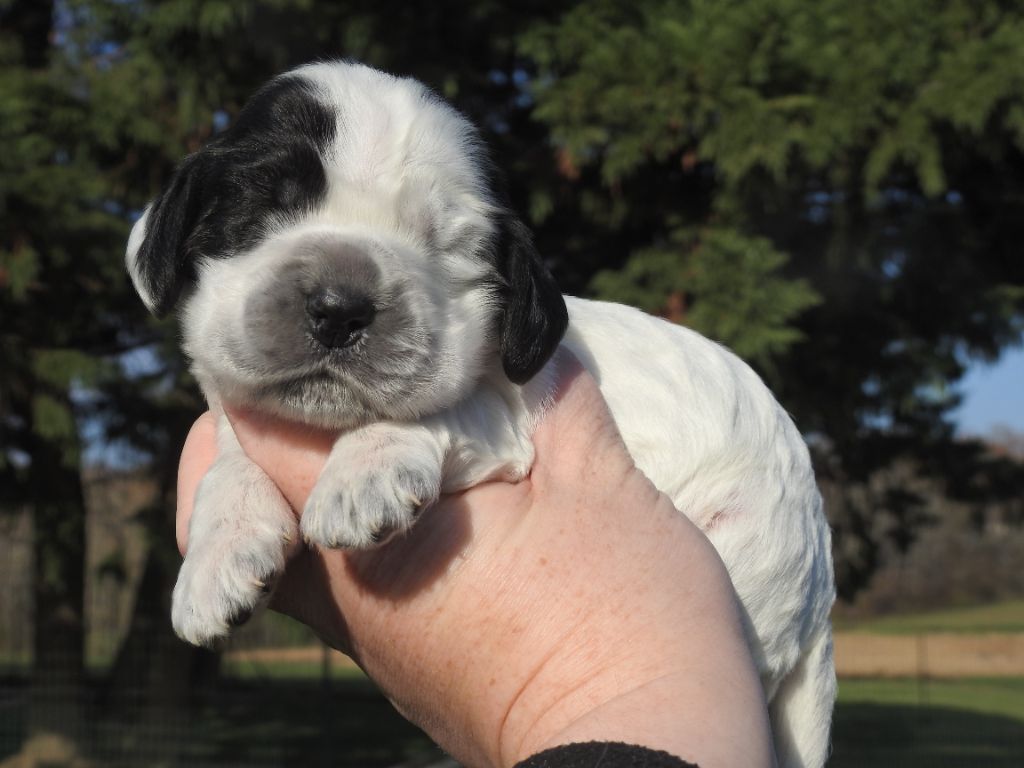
pixel 834 189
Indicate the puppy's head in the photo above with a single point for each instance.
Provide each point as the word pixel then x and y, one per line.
pixel 340 256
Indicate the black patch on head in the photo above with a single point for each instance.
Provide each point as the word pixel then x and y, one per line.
pixel 534 316
pixel 267 167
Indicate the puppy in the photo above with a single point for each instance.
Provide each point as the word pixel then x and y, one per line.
pixel 341 258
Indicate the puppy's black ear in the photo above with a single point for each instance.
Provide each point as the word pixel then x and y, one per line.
pixel 534 316
pixel 159 257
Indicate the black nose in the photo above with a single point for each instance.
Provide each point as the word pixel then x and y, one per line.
pixel 337 314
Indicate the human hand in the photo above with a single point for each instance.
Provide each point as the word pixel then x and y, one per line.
pixel 577 605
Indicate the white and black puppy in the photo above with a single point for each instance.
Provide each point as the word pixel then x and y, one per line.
pixel 341 259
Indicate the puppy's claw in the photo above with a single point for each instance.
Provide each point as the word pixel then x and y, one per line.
pixel 222 584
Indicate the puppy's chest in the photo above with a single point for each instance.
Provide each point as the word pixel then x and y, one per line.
pixel 489 436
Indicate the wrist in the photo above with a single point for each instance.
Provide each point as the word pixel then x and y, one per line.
pixel 662 715
pixel 676 677
pixel 611 705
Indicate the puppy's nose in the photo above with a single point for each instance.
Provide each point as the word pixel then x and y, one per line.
pixel 337 314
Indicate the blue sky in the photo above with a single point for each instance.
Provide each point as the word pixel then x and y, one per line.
pixel 993 395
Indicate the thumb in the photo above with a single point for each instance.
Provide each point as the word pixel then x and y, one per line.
pixel 578 436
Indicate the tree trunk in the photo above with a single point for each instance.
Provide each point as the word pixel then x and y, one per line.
pixel 58 673
pixel 155 678
pixel 56 696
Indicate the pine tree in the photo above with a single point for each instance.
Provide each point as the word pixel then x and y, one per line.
pixel 58 293
pixel 832 188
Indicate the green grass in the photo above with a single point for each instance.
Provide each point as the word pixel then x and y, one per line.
pixel 1002 696
pixel 254 723
pixel 348 723
pixel 934 724
pixel 267 720
pixel 287 670
pixel 998 617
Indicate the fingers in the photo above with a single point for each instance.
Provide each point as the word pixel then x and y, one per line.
pixel 577 436
pixel 291 454
pixel 197 456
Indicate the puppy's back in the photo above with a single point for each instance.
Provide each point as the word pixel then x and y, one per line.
pixel 708 433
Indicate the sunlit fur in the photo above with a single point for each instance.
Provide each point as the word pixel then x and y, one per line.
pixel 408 213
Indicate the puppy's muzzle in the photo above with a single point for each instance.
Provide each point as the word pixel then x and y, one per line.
pixel 338 314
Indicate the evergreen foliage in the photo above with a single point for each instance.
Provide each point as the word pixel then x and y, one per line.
pixel 873 150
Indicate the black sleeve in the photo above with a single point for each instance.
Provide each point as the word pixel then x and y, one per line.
pixel 600 754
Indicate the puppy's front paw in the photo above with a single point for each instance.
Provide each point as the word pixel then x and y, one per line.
pixel 238 545
pixel 219 588
pixel 370 491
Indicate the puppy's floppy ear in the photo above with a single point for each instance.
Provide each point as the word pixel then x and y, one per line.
pixel 533 317
pixel 159 257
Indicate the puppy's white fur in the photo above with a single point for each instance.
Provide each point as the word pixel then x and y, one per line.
pixel 429 409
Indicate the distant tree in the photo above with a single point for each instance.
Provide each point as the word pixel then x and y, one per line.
pixel 1004 440
pixel 835 189
pixel 69 318
pixel 60 300
pixel 99 100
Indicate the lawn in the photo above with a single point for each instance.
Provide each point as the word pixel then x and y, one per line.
pixel 901 722
pixel 265 720
pixel 938 724
pixel 997 617
pixel 266 723
pixel 1002 696
pixel 271 713
pixel 948 724
pixel 287 670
